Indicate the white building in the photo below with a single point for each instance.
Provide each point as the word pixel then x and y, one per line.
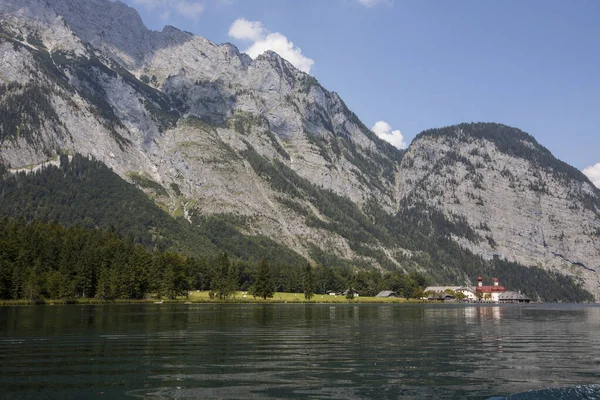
pixel 490 294
pixel 469 292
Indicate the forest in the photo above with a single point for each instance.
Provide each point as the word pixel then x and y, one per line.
pixel 87 193
pixel 87 200
pixel 44 260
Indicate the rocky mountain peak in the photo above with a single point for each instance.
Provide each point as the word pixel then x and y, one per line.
pixel 95 19
pixel 508 140
pixel 27 10
pixel 115 28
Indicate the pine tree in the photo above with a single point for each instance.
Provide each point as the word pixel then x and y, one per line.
pixel 199 273
pixel 308 282
pixel 156 275
pixel 176 282
pixel 263 285
pixel 31 287
pixel 350 291
pixel 103 289
pixel 5 275
pixel 222 283
pixel 233 278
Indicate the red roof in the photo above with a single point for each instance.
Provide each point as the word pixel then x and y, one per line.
pixel 489 289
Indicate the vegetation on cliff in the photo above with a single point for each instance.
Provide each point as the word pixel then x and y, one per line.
pixel 94 206
pixel 44 260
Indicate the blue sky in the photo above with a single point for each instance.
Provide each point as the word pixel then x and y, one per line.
pixel 532 64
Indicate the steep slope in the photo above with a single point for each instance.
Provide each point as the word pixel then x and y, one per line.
pixel 75 191
pixel 256 149
pixel 523 204
pixel 187 125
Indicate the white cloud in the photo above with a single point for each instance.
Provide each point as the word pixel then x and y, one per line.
pixel 373 3
pixel 186 8
pixel 282 46
pixel 385 132
pixel 243 29
pixel 263 40
pixel 593 173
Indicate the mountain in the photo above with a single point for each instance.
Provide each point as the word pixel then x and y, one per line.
pixel 207 132
pixel 213 131
pixel 522 203
pixel 82 192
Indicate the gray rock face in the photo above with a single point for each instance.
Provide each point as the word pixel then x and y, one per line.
pixel 522 212
pixel 156 129
pixel 200 118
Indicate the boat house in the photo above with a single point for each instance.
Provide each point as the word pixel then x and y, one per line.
pixel 513 297
pixel 387 293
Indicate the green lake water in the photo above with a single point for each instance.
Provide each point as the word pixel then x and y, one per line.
pixel 344 351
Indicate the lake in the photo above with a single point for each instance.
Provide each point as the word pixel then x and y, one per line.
pixel 344 351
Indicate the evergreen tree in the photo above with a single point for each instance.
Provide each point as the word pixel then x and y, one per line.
pixel 40 260
pixel 199 273
pixel 5 277
pixel 175 277
pixel 308 282
pixel 233 278
pixel 104 290
pixel 263 284
pixel 31 287
pixel 222 283
pixel 350 294
pixel 157 273
pixel 350 290
pixel 135 276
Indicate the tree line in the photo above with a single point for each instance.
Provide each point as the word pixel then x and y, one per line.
pixel 45 260
pixel 86 193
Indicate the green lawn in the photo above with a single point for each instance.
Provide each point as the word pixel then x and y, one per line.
pixel 240 297
pixel 283 297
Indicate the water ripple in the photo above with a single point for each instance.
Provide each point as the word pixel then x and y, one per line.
pixel 297 351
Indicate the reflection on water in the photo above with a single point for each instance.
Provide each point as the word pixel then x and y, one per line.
pixel 296 351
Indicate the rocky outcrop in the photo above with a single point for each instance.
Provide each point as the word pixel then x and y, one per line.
pixel 183 112
pixel 524 205
pixel 204 129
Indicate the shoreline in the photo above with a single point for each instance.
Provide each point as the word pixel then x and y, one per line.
pixel 96 302
pixel 8 303
pixel 203 297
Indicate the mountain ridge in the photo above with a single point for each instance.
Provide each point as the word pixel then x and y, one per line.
pixel 203 129
pixel 533 210
pixel 522 145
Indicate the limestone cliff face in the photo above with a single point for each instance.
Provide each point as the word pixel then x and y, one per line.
pixel 183 112
pixel 524 205
pixel 204 129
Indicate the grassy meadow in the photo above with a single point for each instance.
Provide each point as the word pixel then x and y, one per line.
pixel 239 297
pixel 284 297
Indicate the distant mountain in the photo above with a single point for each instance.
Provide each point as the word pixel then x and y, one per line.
pixel 207 132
